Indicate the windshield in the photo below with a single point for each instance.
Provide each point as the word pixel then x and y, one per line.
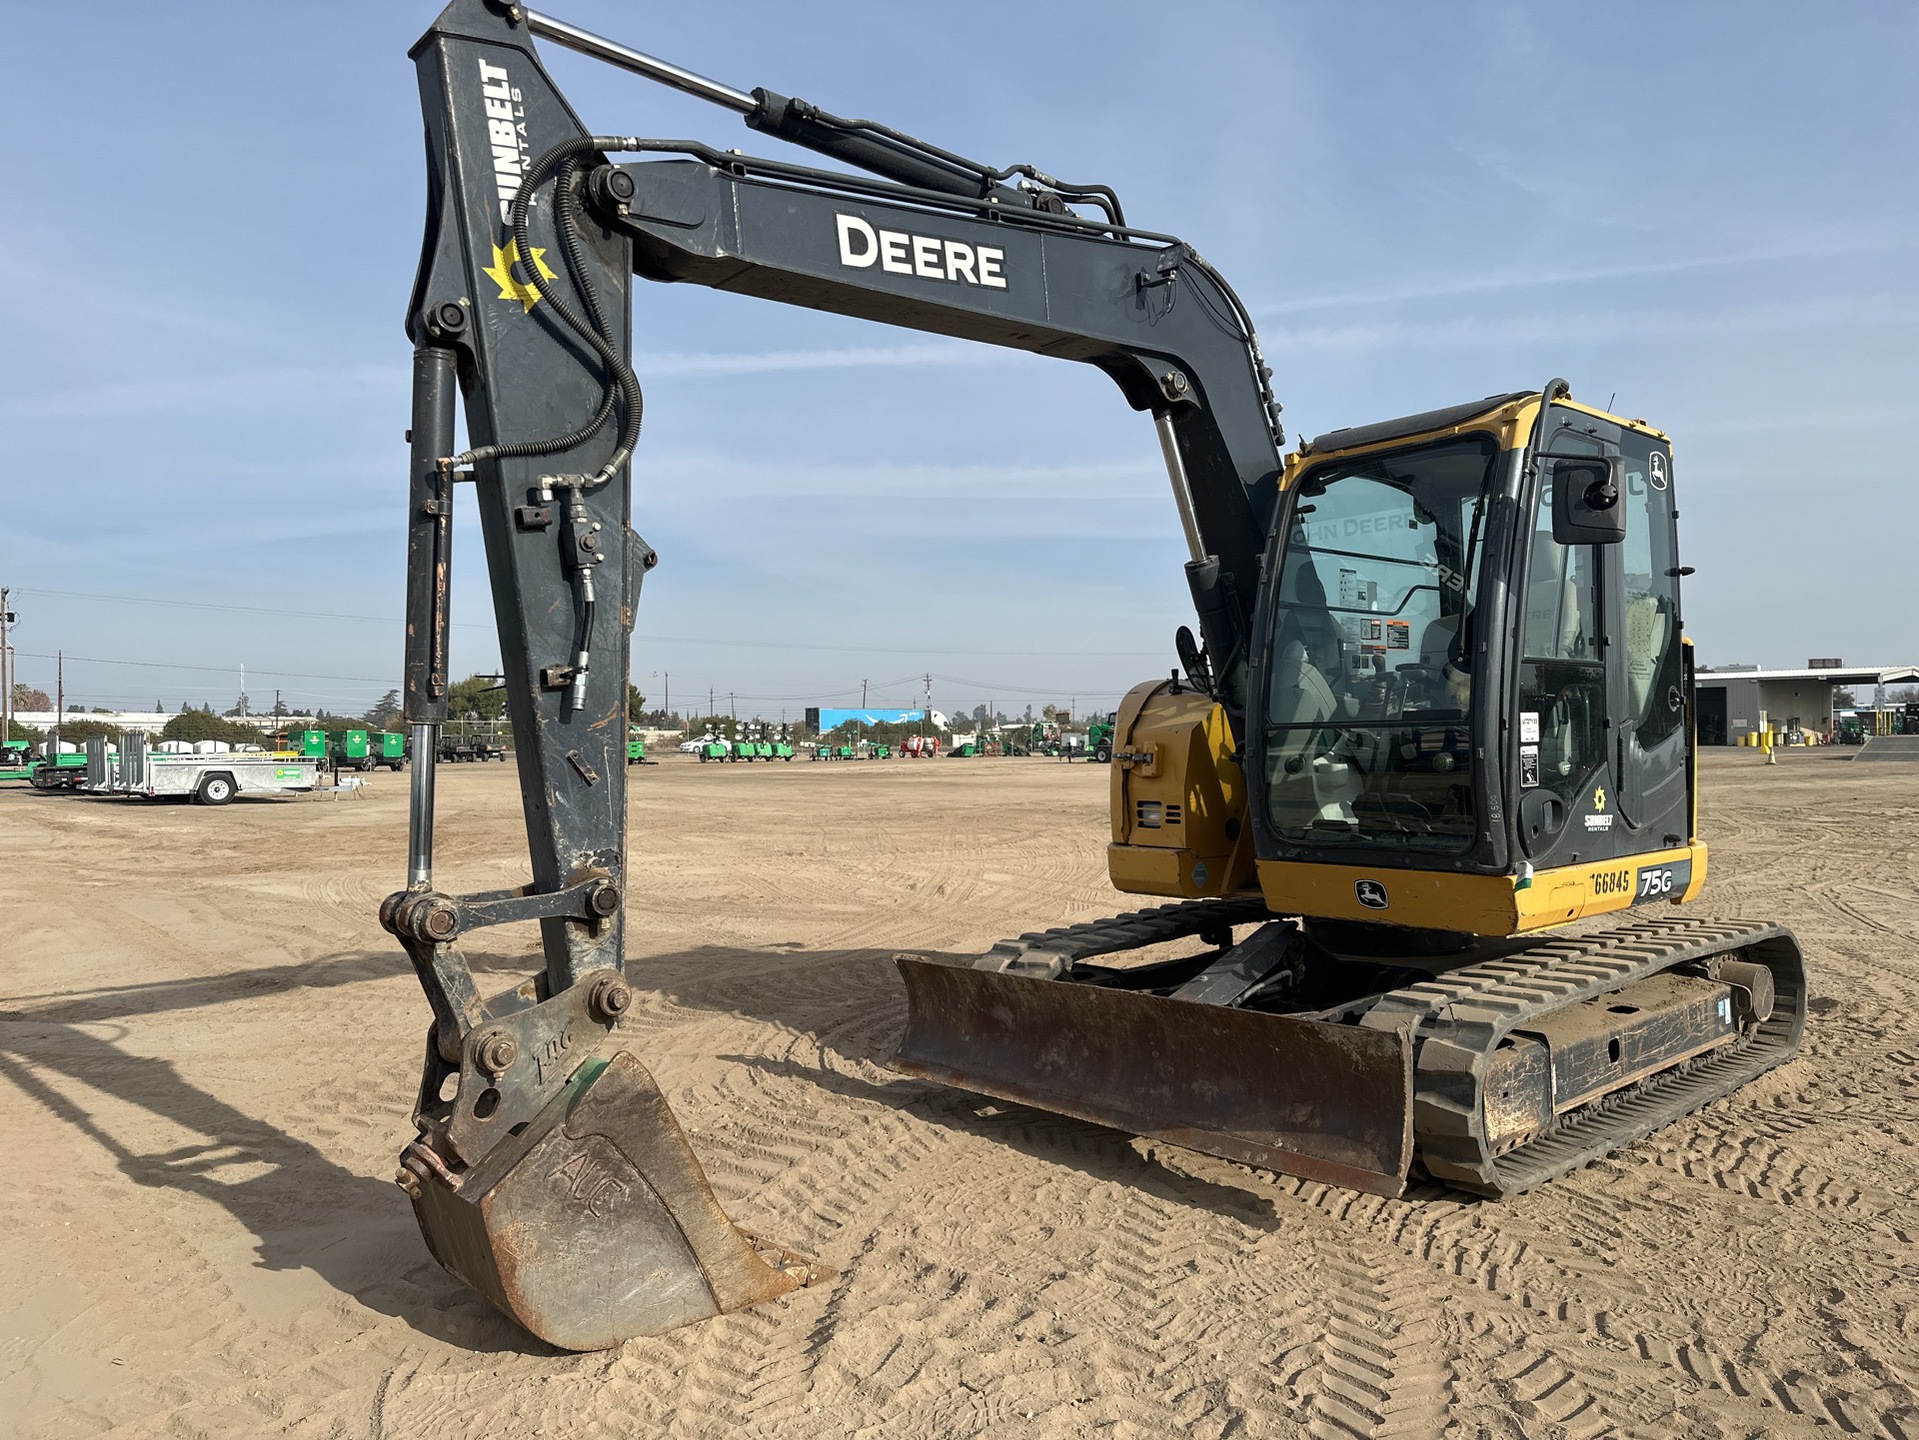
pixel 1369 678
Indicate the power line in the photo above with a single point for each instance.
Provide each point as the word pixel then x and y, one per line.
pixel 212 669
pixel 638 636
pixel 235 609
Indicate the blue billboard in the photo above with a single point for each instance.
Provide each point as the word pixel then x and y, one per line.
pixel 833 719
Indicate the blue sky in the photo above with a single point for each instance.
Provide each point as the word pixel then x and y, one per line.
pixel 1707 210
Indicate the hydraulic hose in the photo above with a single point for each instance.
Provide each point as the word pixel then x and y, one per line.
pixel 597 334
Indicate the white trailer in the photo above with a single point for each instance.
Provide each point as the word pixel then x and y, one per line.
pixel 210 775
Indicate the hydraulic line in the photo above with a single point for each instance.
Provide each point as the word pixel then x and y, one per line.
pixel 597 334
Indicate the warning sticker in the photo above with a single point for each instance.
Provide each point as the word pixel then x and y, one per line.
pixel 1528 765
pixel 1528 727
pixel 1399 635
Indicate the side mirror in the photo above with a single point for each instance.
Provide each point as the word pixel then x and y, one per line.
pixel 1588 491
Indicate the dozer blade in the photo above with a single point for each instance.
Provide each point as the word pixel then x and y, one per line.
pixel 596 1223
pixel 1325 1102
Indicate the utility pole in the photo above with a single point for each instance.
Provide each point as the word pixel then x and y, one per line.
pixel 666 712
pixel 862 694
pixel 6 669
pixel 59 696
pixel 709 700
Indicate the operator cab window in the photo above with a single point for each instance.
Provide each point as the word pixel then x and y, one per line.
pixel 1369 676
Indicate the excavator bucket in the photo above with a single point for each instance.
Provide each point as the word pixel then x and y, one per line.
pixel 596 1224
pixel 1325 1102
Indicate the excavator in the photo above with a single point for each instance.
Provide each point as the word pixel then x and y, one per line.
pixel 1437 709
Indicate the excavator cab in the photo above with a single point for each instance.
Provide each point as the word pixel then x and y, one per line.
pixel 1471 665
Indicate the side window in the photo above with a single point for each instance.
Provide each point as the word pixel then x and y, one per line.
pixel 1562 688
pixel 1562 602
pixel 1649 557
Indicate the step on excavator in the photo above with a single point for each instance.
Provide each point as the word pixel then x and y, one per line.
pixel 1438 707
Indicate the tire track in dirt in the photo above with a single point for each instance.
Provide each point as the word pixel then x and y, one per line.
pixel 1548 1366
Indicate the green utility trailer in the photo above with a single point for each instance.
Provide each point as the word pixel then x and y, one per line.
pixel 16 760
pixel 635 749
pixel 386 748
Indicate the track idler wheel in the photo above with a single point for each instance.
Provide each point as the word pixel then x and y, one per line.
pixel 596 1224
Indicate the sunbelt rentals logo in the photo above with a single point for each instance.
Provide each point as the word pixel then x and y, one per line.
pixel 512 157
pixel 506 133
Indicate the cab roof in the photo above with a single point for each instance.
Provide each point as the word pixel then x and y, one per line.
pixel 1515 403
pixel 1354 436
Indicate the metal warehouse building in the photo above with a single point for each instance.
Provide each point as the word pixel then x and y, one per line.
pixel 1731 700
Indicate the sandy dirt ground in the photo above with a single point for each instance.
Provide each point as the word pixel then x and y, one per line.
pixel 208 1050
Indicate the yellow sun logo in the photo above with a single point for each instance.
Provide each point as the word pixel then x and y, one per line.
pixel 500 272
pixel 1599 797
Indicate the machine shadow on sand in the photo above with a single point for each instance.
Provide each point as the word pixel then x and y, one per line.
pixel 304 1210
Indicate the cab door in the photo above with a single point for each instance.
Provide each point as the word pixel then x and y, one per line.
pixel 1562 737
pixel 1645 669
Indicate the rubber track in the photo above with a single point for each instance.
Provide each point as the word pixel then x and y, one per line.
pixel 1459 1019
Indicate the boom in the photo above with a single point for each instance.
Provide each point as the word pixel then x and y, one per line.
pixel 523 298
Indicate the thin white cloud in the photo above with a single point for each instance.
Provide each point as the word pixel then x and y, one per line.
pixel 1518 276
pixel 702 475
pixel 681 364
pixel 1584 329
pixel 199 395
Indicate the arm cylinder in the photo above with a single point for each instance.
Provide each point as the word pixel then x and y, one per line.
pixel 429 560
pixel 429 536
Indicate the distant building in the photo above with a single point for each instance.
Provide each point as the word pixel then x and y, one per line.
pixel 1730 699
pixel 152 722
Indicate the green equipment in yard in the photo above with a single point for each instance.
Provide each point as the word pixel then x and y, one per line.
pixel 1099 740
pixel 635 747
pixel 16 760
pixel 348 750
pixel 386 748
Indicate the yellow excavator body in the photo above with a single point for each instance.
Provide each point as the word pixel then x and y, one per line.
pixel 1181 829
